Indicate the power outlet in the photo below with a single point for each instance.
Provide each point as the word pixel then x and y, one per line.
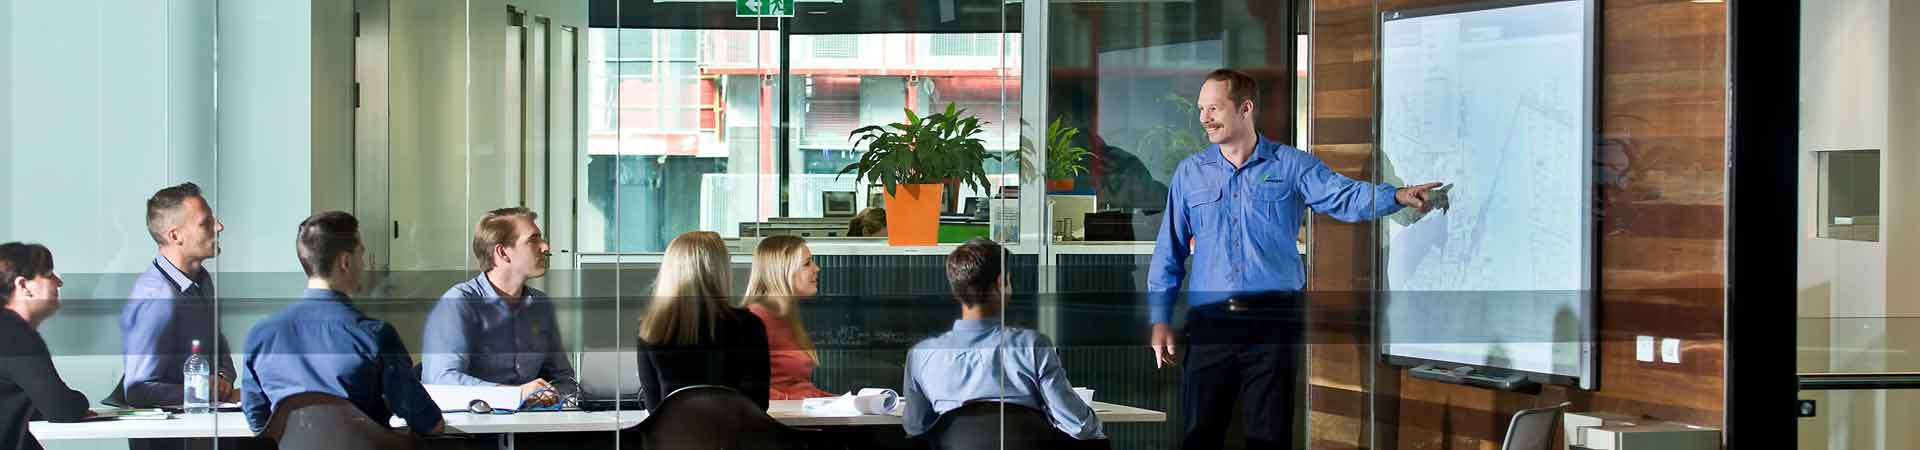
pixel 1670 350
pixel 1643 348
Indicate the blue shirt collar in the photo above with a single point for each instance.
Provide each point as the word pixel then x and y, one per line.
pixel 325 295
pixel 180 278
pixel 1263 149
pixel 492 295
pixel 983 324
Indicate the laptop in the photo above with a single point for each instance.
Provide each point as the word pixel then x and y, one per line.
pixel 609 378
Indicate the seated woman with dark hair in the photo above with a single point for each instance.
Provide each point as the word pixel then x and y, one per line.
pixel 28 381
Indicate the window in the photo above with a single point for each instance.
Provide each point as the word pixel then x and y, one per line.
pixel 684 132
pixel 836 46
pixel 664 136
pixel 1849 202
pixel 979 44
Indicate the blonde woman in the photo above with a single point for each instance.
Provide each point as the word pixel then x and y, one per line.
pixel 783 275
pixel 691 335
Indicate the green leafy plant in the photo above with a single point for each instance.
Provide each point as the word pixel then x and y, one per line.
pixel 1172 142
pixel 1064 160
pixel 938 148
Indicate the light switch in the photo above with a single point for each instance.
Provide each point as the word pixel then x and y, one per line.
pixel 1643 348
pixel 1670 350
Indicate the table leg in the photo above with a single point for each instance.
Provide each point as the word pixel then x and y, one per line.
pixel 506 441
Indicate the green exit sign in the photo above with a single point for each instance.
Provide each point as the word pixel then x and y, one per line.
pixel 763 8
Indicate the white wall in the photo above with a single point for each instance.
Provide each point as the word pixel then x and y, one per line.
pixel 428 107
pixel 104 106
pixel 266 133
pixel 449 164
pixel 1844 92
pixel 331 92
pixel 1900 167
pixel 1859 78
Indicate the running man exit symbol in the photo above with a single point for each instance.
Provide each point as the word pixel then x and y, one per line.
pixel 763 8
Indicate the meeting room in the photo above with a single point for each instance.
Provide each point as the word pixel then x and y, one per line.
pixel 851 224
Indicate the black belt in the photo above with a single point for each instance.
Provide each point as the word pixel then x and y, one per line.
pixel 1260 302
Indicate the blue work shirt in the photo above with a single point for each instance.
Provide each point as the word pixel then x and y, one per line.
pixel 323 344
pixel 166 311
pixel 982 360
pixel 1242 223
pixel 474 338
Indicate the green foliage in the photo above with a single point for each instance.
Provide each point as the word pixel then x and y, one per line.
pixel 925 150
pixel 1175 140
pixel 1063 159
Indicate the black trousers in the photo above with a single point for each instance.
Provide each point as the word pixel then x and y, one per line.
pixel 1247 354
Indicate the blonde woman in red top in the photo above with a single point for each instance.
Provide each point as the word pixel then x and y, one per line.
pixel 784 274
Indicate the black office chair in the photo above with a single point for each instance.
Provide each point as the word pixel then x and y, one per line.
pixel 713 418
pixel 117 398
pixel 315 421
pixel 987 425
pixel 1532 429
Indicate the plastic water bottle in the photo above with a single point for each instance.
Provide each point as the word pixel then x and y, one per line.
pixel 197 379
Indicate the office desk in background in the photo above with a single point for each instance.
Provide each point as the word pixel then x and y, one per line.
pixel 233 424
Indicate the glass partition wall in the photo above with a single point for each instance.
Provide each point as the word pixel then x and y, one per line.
pixel 618 126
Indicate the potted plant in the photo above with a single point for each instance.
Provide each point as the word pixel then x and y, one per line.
pixel 1064 160
pixel 913 161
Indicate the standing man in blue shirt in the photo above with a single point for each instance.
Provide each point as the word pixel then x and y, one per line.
pixel 322 344
pixel 1234 210
pixel 171 305
pixel 981 359
pixel 494 329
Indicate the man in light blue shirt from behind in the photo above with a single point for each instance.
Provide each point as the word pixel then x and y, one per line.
pixel 983 360
pixel 323 344
pixel 494 329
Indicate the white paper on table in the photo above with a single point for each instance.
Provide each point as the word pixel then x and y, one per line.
pixel 449 397
pixel 866 401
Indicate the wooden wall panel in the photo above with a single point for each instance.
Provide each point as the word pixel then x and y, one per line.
pixel 1662 237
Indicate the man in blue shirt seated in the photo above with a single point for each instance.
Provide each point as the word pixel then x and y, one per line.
pixel 171 305
pixel 494 329
pixel 984 360
pixel 323 344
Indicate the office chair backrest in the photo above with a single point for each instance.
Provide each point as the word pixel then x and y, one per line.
pixel 1532 429
pixel 997 425
pixel 117 398
pixel 315 421
pixel 709 417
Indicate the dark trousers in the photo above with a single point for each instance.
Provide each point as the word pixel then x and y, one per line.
pixel 1246 355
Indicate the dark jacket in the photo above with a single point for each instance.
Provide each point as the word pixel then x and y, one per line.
pixel 734 355
pixel 28 383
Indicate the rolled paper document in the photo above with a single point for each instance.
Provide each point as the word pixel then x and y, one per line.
pixel 862 402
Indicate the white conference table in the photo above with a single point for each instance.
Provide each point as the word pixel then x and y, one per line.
pixel 234 424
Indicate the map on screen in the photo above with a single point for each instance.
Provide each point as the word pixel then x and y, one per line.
pixel 1496 103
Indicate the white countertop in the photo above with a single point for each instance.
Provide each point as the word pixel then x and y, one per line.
pixel 233 424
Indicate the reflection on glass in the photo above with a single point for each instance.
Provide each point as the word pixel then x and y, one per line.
pixel 1130 91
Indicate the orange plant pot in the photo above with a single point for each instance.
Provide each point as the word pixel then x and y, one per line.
pixel 913 215
pixel 1060 184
